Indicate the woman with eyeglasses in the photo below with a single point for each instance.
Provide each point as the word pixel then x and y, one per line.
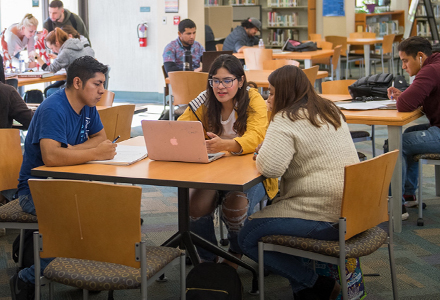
pixel 21 36
pixel 307 144
pixel 235 119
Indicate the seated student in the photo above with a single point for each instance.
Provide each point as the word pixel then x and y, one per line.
pixel 243 36
pixel 12 107
pixel 68 50
pixel 174 52
pixel 66 130
pixel 73 34
pixel 235 119
pixel 308 144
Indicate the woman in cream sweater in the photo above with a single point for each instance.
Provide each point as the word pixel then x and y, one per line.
pixel 307 144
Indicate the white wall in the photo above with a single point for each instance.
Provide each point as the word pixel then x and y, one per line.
pixel 335 25
pixel 113 33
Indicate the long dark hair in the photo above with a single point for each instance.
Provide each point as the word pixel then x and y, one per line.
pixel 293 92
pixel 241 99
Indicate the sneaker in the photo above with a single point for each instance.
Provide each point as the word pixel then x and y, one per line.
pixel 405 214
pixel 21 290
pixel 410 200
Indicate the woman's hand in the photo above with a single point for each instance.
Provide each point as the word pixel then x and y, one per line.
pixel 52 56
pixel 33 64
pixel 256 151
pixel 215 144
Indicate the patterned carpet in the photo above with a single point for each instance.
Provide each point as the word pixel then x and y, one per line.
pixel 417 250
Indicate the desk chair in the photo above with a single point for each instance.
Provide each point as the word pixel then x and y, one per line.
pixel 107 99
pixel 254 57
pixel 219 47
pixel 278 63
pixel 117 121
pixel 332 63
pixel 315 37
pixel 311 74
pixel 341 87
pixel 386 54
pixel 359 49
pixel 11 214
pixel 346 56
pixel 185 87
pixel 13 82
pixel 166 90
pixel 95 236
pixel 364 207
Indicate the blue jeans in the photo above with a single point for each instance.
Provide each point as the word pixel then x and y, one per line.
pixel 291 267
pixel 28 274
pixel 204 226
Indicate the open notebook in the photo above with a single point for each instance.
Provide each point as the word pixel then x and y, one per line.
pixel 125 155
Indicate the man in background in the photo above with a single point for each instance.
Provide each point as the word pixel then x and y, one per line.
pixel 59 17
pixel 243 36
pixel 174 52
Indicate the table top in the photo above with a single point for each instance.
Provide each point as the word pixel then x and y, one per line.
pixel 296 55
pixel 230 172
pixel 260 77
pixel 26 81
pixel 365 41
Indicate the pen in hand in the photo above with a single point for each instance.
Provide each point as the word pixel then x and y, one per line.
pixel 392 90
pixel 114 141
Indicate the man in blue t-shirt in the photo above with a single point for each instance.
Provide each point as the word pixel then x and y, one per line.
pixel 65 130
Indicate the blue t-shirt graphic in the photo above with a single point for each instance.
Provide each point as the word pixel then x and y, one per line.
pixel 55 119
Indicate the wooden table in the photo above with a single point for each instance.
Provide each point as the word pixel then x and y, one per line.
pixel 26 81
pixel 307 56
pixel 366 42
pixel 394 121
pixel 236 173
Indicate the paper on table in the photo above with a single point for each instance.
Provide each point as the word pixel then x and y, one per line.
pixel 361 105
pixel 125 155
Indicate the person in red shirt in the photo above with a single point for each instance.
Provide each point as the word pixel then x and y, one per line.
pixel 419 61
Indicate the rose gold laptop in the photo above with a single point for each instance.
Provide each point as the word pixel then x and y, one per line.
pixel 176 141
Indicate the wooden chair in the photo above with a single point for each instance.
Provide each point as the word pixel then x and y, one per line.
pixel 341 87
pixel 315 37
pixel 345 55
pixel 278 63
pixel 359 49
pixel 219 47
pixel 311 74
pixel 186 86
pixel 332 62
pixel 95 236
pixel 166 89
pixel 107 99
pixel 254 57
pixel 117 121
pixel 11 214
pixel 364 207
pixel 386 54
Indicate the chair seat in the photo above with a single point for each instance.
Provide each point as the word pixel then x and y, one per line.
pixel 359 134
pixel 360 245
pixel 433 156
pixel 12 212
pixel 98 276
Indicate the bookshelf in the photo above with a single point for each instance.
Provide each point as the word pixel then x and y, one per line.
pixel 391 22
pixel 287 19
pixel 421 25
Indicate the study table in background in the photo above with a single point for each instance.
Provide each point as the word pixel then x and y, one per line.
pixel 235 173
pixel 29 80
pixel 366 42
pixel 394 121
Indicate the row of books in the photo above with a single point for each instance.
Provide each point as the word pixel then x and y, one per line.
pixel 277 37
pixel 230 2
pixel 275 19
pixel 283 3
pixel 423 29
pixel 384 28
pixel 421 10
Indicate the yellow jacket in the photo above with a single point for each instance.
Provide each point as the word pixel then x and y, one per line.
pixel 256 127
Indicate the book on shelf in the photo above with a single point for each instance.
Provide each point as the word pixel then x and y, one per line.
pixel 125 155
pixel 37 74
pixel 243 2
pixel 275 19
pixel 282 3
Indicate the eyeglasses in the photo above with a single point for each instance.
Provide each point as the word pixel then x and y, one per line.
pixel 227 82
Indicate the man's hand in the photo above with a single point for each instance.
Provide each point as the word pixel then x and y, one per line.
pixel 105 150
pixel 199 69
pixel 393 93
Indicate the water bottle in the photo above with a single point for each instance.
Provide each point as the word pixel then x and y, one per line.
pixel 21 65
pixel 261 43
pixel 187 61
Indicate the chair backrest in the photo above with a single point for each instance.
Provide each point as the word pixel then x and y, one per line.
pixel 186 86
pixel 337 86
pixel 324 45
pixel 362 35
pixel 278 63
pixel 336 56
pixel 254 57
pixel 311 74
pixel 365 198
pixel 117 121
pixel 387 43
pixel 166 90
pixel 13 82
pixel 338 40
pixel 95 221
pixel 315 37
pixel 10 158
pixel 219 47
pixel 107 99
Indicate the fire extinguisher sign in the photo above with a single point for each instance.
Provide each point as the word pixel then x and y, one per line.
pixel 176 20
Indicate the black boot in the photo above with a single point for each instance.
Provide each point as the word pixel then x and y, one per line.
pixel 325 288
pixel 21 290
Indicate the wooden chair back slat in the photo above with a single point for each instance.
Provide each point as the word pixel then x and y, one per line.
pixel 219 47
pixel 186 86
pixel 117 121
pixel 107 99
pixel 311 74
pixel 254 57
pixel 337 86
pixel 387 43
pixel 95 221
pixel 10 158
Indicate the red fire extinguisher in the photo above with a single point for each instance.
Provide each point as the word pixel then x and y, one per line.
pixel 142 34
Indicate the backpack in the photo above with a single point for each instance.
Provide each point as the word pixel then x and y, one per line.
pixel 213 281
pixel 296 46
pixel 33 96
pixel 28 248
pixel 371 86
